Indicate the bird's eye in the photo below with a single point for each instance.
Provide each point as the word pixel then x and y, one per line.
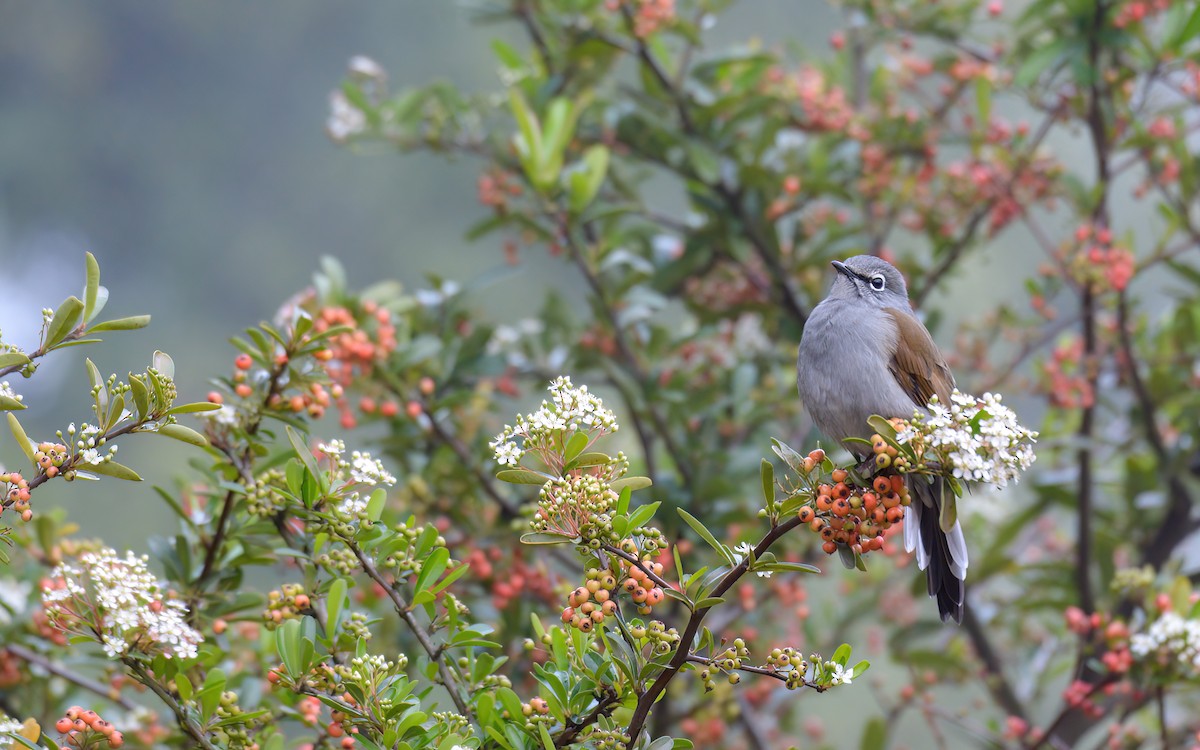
pixel 877 282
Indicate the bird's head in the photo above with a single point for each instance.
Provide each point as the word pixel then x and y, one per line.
pixel 870 279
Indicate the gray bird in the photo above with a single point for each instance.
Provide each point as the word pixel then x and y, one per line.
pixel 863 352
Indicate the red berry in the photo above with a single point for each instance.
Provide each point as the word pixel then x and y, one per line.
pixel 243 361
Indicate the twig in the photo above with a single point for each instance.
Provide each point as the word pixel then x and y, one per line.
pixel 70 675
pixel 647 699
pixel 604 706
pixel 996 683
pixel 186 723
pixel 435 653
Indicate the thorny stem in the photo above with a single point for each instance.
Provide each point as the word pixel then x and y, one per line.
pixel 435 653
pixel 647 699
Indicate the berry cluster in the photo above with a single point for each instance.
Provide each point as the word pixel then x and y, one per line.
pixel 662 640
pixel 288 604
pixel 85 729
pixel 858 517
pixel 50 457
pixel 590 604
pixel 16 495
pixel 727 662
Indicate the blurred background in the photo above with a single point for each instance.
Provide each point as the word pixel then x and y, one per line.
pixel 183 144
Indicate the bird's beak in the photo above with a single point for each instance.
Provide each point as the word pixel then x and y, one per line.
pixel 843 269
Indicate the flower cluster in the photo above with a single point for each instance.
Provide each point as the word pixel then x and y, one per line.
pixel 118 602
pixel 360 471
pixel 545 431
pixel 1169 641
pixel 978 439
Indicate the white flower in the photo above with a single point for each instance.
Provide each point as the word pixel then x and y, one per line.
pixel 6 390
pixel 91 456
pixel 367 470
pixel 839 675
pixel 332 448
pixel 124 600
pixel 8 726
pixel 226 415
pixel 979 439
pixel 1169 640
pixel 345 120
pixel 570 409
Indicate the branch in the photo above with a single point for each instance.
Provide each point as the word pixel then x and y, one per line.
pixel 605 705
pixel 435 653
pixel 648 698
pixel 70 675
pixel 186 723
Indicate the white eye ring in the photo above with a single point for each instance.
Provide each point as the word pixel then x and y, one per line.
pixel 878 282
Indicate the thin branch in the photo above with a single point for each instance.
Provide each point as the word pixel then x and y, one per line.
pixel 605 705
pixel 186 722
pixel 70 675
pixel 995 681
pixel 435 653
pixel 647 699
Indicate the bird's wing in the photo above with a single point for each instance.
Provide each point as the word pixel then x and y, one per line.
pixel 917 364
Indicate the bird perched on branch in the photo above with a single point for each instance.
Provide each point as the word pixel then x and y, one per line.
pixel 863 353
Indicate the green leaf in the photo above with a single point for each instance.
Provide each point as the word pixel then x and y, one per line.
pixel 633 483
pixel 547 740
pixel 450 577
pixel 192 408
pixel 841 655
pixel 335 600
pixel 184 434
pixel 767 475
pixel 302 451
pixel 861 668
pixel 432 568
pixel 1187 32
pixel 706 535
pixel 91 287
pixel 132 323
pixel 65 320
pixel 22 439
pixel 782 566
pixel 113 469
pixel 589 459
pixel 8 359
pixel 575 446
pixel 643 514
pixel 141 395
pixel 585 182
pixel 536 537
pixel 376 503
pixel 983 98
pixel 875 734
pixel 710 601
pixel 182 683
pixel 523 476
pixel 8 403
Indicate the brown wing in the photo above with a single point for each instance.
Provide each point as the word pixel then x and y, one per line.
pixel 917 364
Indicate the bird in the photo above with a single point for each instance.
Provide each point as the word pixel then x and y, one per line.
pixel 864 352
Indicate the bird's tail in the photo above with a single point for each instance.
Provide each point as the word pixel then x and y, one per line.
pixel 942 555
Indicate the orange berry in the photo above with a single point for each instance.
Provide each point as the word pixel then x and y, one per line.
pixel 897 483
pixel 567 614
pixel 335 729
pixel 63 725
pixel 215 397
pixel 116 739
pixel 219 626
pixel 895 514
pixel 816 524
pixel 839 475
pixel 817 455
pixel 840 507
pixel 367 405
pixel 829 547
pixel 841 490
pixel 869 501
pixel 302 601
pixel 243 390
pixel 655 596
pixel 805 514
pixel 243 362
pixel 347 743
pixel 413 409
pixel 824 502
pixel 389 409
pixel 426 385
pixel 882 485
